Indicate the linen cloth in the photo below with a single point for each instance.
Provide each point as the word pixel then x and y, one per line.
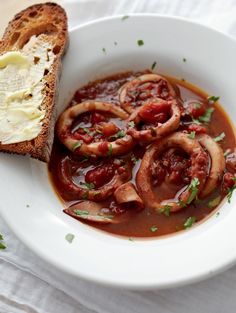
pixel 28 284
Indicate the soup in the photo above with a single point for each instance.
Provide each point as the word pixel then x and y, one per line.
pixel 142 155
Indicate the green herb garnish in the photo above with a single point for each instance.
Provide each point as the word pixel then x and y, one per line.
pixel 213 99
pixel 153 229
pixel 230 191
pixel 131 239
pixel 220 137
pixel 85 195
pixel 104 50
pixel 2 245
pixel 184 60
pixel 86 130
pixel 88 185
pixel 131 124
pixel 69 237
pixel 214 202
pixel 165 209
pixel 206 118
pixel 227 152
pixel 182 204
pixel 124 17
pixel 194 189
pixel 77 145
pixel 153 65
pixel 109 153
pixel 192 135
pixel 134 159
pixel 81 212
pixel 197 105
pixel 189 222
pixel 119 134
pixel 140 42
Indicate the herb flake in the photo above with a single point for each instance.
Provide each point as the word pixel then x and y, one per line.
pixel 214 202
pixel 192 135
pixel 140 42
pixel 220 137
pixel 2 245
pixel 184 60
pixel 153 229
pixel 206 118
pixel 153 65
pixel 77 145
pixel 81 212
pixel 125 17
pixel 109 153
pixel 213 99
pixel 165 209
pixel 189 222
pixel 69 237
pixel 194 189
pixel 131 124
pixel 88 185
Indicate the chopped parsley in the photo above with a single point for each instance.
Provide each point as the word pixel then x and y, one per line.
pixel 212 99
pixel 194 189
pixel 189 222
pixel 214 202
pixel 192 135
pixel 220 137
pixel 230 191
pixel 206 118
pixel 119 134
pixel 134 159
pixel 217 214
pixel 131 124
pixel 85 195
pixel 153 65
pixel 140 42
pixel 182 204
pixel 81 212
pixel 88 185
pixel 27 205
pixel 184 59
pixel 131 239
pixel 96 193
pixel 77 145
pixel 124 17
pixel 2 245
pixel 227 152
pixel 109 153
pixel 86 130
pixel 165 209
pixel 153 229
pixel 69 237
pixel 104 50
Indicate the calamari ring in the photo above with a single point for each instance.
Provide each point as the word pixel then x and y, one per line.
pixel 199 165
pixel 127 193
pixel 65 121
pixel 96 194
pixel 217 163
pixel 162 129
pixel 135 83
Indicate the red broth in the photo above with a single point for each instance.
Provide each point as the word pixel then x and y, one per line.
pixel 141 222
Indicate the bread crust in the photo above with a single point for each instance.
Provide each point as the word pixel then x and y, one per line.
pixel 50 21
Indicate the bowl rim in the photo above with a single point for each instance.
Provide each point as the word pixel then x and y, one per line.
pixel 131 285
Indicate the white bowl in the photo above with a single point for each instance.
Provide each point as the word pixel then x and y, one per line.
pixel 31 208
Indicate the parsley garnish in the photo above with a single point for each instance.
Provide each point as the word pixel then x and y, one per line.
pixel 182 204
pixel 124 17
pixel 140 42
pixel 220 137
pixel 131 239
pixel 192 135
pixel 213 99
pixel 86 130
pixel 197 105
pixel 214 202
pixel 81 212
pixel 184 60
pixel 153 229
pixel 165 209
pixel 77 145
pixel 153 65
pixel 85 195
pixel 189 222
pixel 206 118
pixel 131 124
pixel 134 159
pixel 230 191
pixel 104 50
pixel 69 237
pixel 109 153
pixel 88 185
pixel 2 245
pixel 194 189
pixel 119 134
pixel 227 152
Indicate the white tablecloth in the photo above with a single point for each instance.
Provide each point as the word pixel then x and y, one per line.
pixel 28 284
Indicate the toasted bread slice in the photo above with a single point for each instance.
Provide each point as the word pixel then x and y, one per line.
pixel 45 23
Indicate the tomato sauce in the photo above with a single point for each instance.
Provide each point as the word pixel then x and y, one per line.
pixel 142 222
